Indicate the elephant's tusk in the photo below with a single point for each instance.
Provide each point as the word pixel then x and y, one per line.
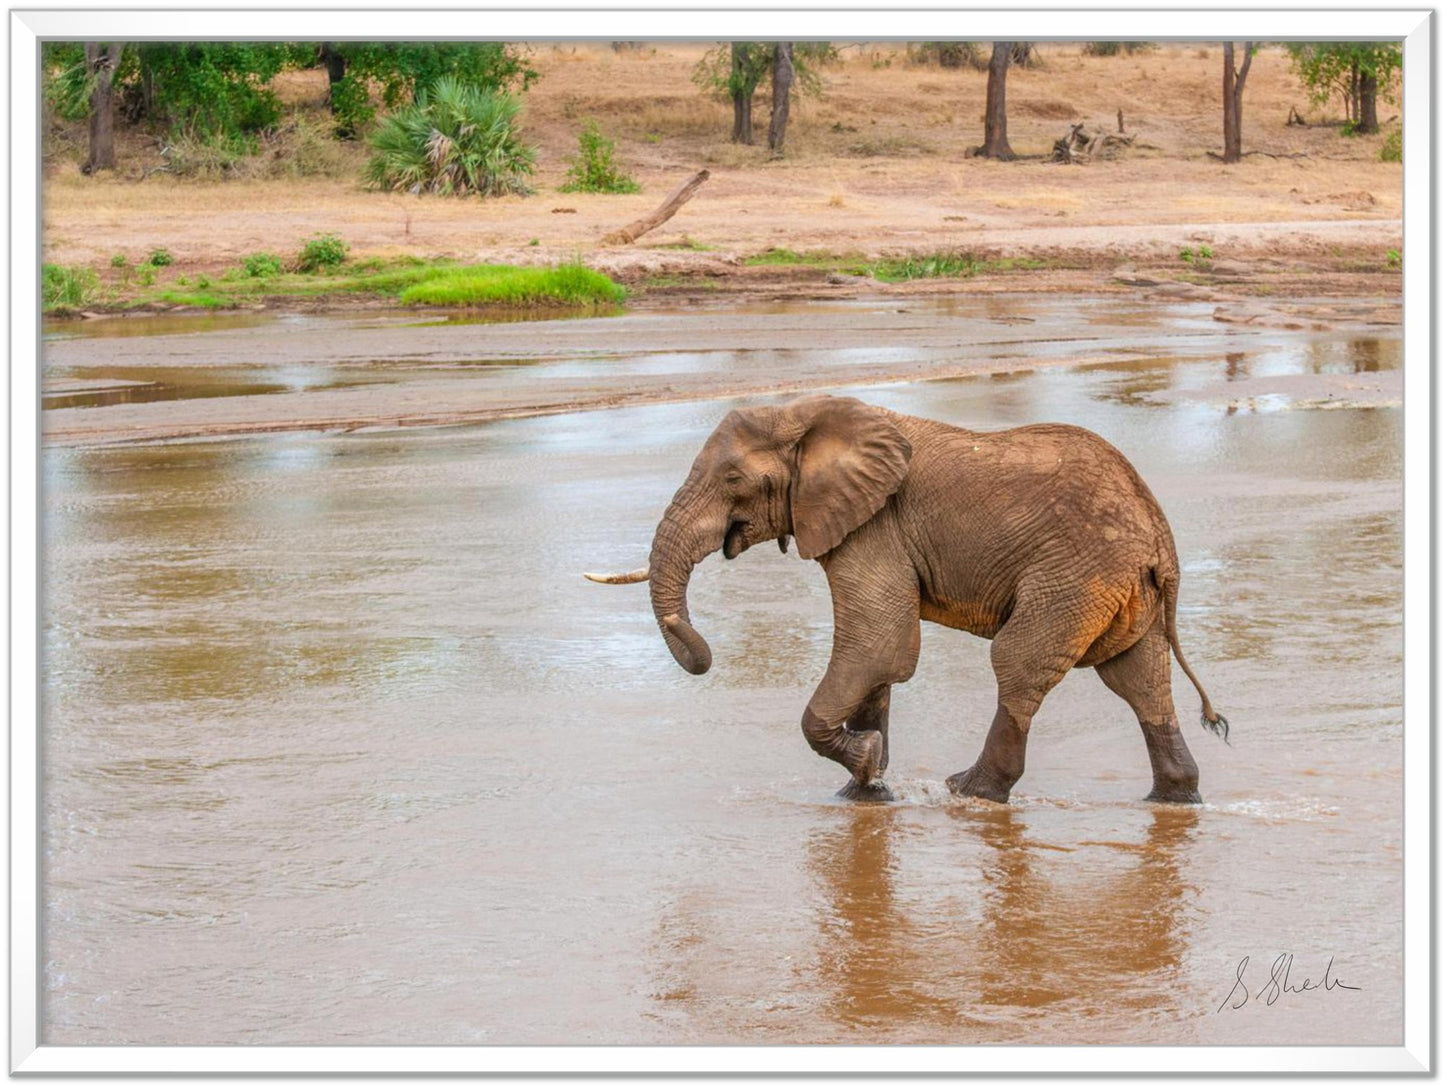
pixel 620 579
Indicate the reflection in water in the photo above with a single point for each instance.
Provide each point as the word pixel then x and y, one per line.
pixel 1104 929
pixel 878 960
pixel 1025 925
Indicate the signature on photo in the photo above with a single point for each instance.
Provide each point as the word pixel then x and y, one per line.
pixel 1279 982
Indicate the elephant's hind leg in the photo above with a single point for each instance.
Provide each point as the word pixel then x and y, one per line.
pixel 1140 676
pixel 1043 638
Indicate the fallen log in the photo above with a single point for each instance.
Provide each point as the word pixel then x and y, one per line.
pixel 630 233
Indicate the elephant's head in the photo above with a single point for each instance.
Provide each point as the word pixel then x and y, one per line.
pixel 814 469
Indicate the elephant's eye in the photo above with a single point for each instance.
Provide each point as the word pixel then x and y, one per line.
pixel 733 478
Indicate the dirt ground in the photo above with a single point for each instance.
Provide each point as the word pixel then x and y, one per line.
pixel 879 165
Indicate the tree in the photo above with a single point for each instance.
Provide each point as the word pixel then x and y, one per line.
pixel 782 92
pixel 101 61
pixel 742 82
pixel 402 70
pixel 1234 99
pixel 734 72
pixel 1359 72
pixel 995 117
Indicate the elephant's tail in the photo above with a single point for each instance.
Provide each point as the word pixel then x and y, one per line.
pixel 1168 581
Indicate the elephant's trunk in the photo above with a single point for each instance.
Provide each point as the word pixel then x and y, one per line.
pixel 685 536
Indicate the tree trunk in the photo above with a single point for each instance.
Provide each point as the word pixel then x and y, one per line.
pixel 1368 120
pixel 101 59
pixel 335 72
pixel 782 93
pixel 1234 100
pixel 995 117
pixel 742 88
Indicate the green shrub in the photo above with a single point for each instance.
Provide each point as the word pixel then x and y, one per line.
pixel 118 261
pixel 1393 149
pixel 1392 257
pixel 64 287
pixel 591 170
pixel 259 265
pixel 145 275
pixel 1186 255
pixel 455 140
pixel 1206 252
pixel 322 251
pixel 159 258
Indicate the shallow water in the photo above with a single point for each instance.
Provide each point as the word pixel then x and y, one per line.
pixel 339 747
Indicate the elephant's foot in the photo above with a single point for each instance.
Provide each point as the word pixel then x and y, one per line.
pixel 977 781
pixel 1175 793
pixel 871 792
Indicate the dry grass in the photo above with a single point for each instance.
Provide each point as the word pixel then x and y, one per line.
pixel 880 161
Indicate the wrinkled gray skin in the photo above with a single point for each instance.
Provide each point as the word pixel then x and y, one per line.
pixel 1043 539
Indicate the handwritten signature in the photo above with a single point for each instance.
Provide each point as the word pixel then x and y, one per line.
pixel 1279 983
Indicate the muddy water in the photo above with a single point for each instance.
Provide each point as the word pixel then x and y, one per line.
pixel 340 748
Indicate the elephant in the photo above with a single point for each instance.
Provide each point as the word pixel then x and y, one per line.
pixel 1043 539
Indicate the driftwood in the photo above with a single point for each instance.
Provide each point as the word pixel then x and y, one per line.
pixel 630 233
pixel 1078 146
pixel 1295 118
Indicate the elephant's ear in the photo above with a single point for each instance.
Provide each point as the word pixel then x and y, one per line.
pixel 850 459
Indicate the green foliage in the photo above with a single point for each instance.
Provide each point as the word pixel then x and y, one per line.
pixel 65 82
pixel 322 251
pixel 145 275
pixel 63 287
pixel 401 70
pixel 204 88
pixel 1392 258
pixel 457 139
pixel 118 261
pixel 159 258
pixel 1393 149
pixel 1206 253
pixel 1330 68
pixel 716 74
pixel 591 169
pixel 260 265
pixel 568 284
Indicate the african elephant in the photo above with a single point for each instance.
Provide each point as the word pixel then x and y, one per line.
pixel 1042 538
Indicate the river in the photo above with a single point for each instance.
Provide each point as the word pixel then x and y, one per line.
pixel 339 747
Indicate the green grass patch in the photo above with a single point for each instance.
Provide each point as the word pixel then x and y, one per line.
pixel 503 285
pixel 200 299
pixel 67 288
pixel 816 259
pixel 954 265
pixel 406 280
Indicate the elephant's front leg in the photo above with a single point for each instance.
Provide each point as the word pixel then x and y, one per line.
pixel 872 716
pixel 875 644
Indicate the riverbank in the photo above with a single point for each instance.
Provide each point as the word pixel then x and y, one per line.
pixel 249 374
pixel 879 168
